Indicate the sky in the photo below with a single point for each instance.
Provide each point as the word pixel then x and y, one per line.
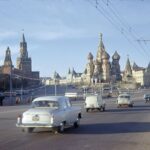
pixel 61 33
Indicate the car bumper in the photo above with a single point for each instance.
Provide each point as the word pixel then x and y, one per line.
pixel 34 125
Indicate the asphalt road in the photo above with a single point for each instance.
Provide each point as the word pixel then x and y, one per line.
pixel 115 129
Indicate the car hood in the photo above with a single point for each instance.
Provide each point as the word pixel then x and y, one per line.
pixel 39 111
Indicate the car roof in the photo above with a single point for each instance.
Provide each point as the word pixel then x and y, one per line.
pixel 124 94
pixel 49 98
pixel 93 95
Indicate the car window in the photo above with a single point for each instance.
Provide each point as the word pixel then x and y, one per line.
pixel 124 96
pixel 68 103
pixel 51 104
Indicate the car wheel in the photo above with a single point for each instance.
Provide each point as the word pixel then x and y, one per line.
pixel 23 130
pixel 131 105
pixel 77 123
pixel 29 130
pixel 119 106
pixel 61 128
pixel 103 108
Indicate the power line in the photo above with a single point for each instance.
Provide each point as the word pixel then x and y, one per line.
pixel 118 23
pixel 129 29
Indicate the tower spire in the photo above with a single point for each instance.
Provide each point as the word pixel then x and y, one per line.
pixel 8 61
pixel 23 38
pixel 23 47
pixel 128 69
pixel 101 48
pixel 101 36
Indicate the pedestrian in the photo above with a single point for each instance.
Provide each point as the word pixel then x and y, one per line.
pixel 17 100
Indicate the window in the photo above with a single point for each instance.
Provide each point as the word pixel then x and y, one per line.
pixel 51 104
pixel 68 103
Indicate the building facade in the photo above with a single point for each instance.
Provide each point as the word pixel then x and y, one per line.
pixel 101 69
pixel 23 69
pixel 136 74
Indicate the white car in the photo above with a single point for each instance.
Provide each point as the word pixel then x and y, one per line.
pixel 54 112
pixel 124 100
pixel 146 98
pixel 93 102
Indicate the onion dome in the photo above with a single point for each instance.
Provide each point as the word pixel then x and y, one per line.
pixel 105 55
pixel 116 56
pixel 90 56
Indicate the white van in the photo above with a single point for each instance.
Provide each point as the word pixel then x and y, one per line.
pixel 124 100
pixel 93 102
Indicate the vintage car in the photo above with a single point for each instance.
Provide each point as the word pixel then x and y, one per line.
pixel 93 102
pixel 124 99
pixel 54 112
pixel 147 98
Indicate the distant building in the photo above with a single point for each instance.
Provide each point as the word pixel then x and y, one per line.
pixel 136 74
pixel 101 69
pixel 73 77
pixel 24 65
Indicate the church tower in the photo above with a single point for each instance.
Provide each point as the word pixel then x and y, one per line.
pixel 105 67
pixel 115 67
pixel 101 49
pixel 24 62
pixel 127 76
pixel 8 61
pixel 128 70
pixel 89 68
pixel 7 67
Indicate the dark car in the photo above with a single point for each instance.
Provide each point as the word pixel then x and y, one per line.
pixel 1 98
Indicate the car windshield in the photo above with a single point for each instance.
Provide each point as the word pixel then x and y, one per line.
pixel 52 104
pixel 124 96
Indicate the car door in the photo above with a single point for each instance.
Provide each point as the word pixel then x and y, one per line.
pixel 69 112
pixel 65 111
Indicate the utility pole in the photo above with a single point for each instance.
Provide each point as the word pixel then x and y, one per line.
pixel 55 87
pixel 10 86
pixel 45 86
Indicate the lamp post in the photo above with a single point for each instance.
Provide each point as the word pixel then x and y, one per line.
pixel 45 86
pixel 10 86
pixel 55 87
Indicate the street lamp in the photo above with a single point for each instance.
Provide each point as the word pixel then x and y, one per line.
pixel 55 87
pixel 45 87
pixel 10 86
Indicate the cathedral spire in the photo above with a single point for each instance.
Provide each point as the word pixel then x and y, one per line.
pixel 23 38
pixel 24 62
pixel 23 48
pixel 101 48
pixel 128 70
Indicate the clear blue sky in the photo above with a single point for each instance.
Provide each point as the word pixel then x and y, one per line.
pixel 61 33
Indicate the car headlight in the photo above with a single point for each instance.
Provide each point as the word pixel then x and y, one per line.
pixel 52 119
pixel 19 119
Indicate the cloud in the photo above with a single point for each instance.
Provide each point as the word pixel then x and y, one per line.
pixel 63 33
pixel 8 34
